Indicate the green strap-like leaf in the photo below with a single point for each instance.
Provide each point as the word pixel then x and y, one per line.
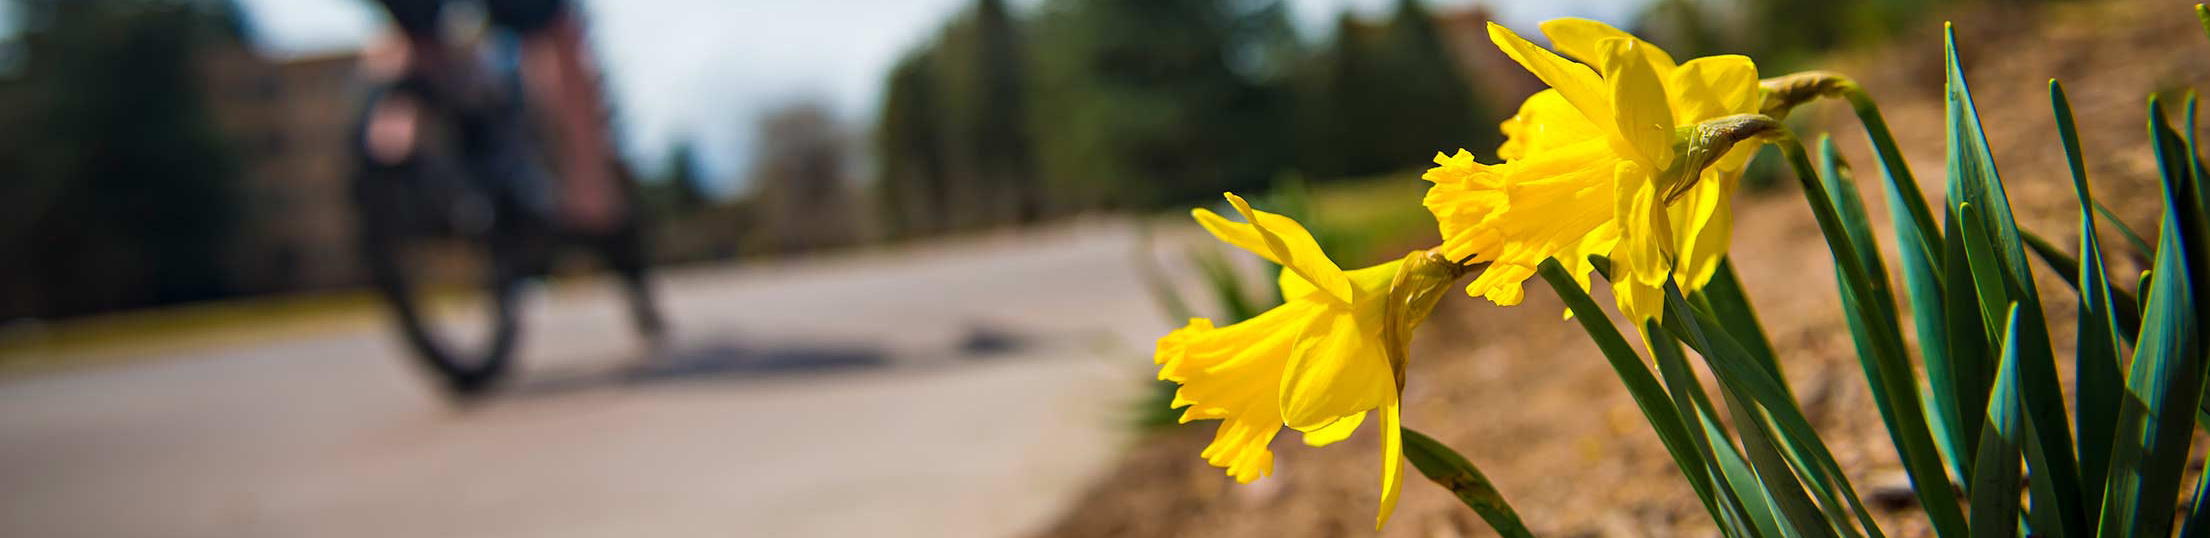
pixel 1726 299
pixel 2163 387
pixel 1988 278
pixel 1743 492
pixel 2197 524
pixel 1730 305
pixel 1971 363
pixel 1657 408
pixel 1955 367
pixel 1849 206
pixel 2125 316
pixel 1744 378
pixel 2103 309
pixel 2198 516
pixel 1775 488
pixel 1919 258
pixel 2001 277
pixel 1885 361
pixel 1995 477
pixel 1457 474
pixel 2203 15
pixel 1751 506
pixel 2148 276
pixel 2140 246
pixel 1973 178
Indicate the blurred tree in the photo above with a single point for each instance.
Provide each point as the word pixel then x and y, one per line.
pixel 1784 35
pixel 1682 27
pixel 953 139
pixel 1386 97
pixel 803 202
pixel 910 184
pixel 1143 103
pixel 689 223
pixel 681 189
pixel 1784 32
pixel 987 129
pixel 1146 102
pixel 120 189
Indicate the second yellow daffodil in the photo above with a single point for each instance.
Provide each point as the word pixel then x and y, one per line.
pixel 1600 164
pixel 1316 364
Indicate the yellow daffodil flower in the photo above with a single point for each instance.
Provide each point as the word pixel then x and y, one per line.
pixel 1600 163
pixel 1316 363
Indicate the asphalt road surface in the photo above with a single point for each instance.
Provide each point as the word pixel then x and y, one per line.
pixel 968 388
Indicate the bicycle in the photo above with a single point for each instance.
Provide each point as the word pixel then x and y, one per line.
pixel 473 199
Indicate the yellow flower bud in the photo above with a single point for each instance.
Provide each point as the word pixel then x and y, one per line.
pixel 1783 93
pixel 1423 278
pixel 1704 143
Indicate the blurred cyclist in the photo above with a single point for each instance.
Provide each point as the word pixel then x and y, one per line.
pixel 554 70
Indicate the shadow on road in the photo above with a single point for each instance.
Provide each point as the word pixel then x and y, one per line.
pixel 730 360
pixel 727 361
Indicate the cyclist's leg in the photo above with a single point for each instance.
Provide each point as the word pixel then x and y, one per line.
pixel 556 70
pixel 390 129
pixel 428 56
pixel 594 196
pixel 625 251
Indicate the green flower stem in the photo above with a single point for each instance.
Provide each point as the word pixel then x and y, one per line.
pixel 1891 158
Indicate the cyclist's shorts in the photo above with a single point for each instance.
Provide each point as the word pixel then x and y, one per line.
pixel 419 17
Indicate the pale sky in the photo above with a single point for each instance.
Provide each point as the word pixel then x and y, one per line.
pixel 704 69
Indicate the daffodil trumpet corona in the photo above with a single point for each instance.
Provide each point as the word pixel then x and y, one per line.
pixel 1330 353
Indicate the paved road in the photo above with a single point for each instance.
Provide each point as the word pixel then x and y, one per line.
pixel 963 389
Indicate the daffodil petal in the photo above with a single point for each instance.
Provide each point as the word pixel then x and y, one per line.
pixel 1577 38
pixel 1293 286
pixel 1713 86
pixel 1641 221
pixel 1241 234
pixel 1600 241
pixel 1339 430
pixel 1295 250
pixel 1545 121
pixel 1703 224
pixel 1643 117
pixel 1374 280
pixel 1392 460
pixel 1639 300
pixel 1336 369
pixel 1577 83
pixel 1639 262
pixel 1365 281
